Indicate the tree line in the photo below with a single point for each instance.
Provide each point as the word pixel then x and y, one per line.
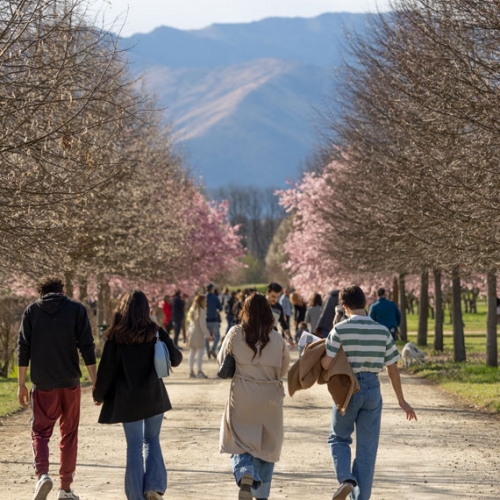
pixel 92 185
pixel 410 174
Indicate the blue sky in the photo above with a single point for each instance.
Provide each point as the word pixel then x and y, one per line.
pixel 142 16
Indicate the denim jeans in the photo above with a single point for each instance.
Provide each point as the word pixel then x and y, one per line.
pixel 260 470
pixel 363 414
pixel 214 329
pixel 148 474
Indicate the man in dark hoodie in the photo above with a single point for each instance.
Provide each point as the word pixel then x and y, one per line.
pixel 53 330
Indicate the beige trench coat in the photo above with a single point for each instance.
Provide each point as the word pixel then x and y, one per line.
pixel 197 329
pixel 253 419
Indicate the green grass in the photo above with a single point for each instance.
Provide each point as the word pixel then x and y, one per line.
pixel 260 287
pixel 473 322
pixel 472 380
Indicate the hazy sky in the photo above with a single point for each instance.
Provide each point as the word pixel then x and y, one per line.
pixel 142 16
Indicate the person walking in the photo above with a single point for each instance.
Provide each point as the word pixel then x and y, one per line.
pixel 327 315
pixel 273 292
pixel 369 347
pixel 386 312
pixel 286 304
pixel 131 393
pixel 167 313
pixel 214 307
pixel 313 312
pixel 198 334
pixel 53 330
pixel 178 308
pixel 252 424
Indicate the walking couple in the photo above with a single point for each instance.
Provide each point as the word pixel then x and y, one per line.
pixel 52 331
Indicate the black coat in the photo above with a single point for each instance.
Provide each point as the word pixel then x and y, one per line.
pixel 127 382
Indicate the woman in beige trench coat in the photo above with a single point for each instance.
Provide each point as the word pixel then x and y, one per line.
pixel 252 424
pixel 197 334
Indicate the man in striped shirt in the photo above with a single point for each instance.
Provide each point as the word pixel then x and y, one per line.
pixel 369 347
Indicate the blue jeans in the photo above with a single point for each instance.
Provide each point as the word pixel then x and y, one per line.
pixel 260 470
pixel 149 474
pixel 363 413
pixel 214 329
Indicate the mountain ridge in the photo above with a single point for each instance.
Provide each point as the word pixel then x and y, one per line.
pixel 241 98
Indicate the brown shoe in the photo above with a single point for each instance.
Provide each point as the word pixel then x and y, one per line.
pixel 343 492
pixel 245 487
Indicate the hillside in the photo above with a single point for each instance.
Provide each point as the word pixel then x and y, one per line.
pixel 242 97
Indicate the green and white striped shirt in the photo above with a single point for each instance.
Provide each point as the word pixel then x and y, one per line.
pixel 367 344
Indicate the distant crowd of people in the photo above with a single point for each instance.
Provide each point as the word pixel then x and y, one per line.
pixel 337 333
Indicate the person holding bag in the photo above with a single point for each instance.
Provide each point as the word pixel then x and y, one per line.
pixel 198 334
pixel 252 424
pixel 131 392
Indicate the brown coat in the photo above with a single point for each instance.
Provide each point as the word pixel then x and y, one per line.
pixel 340 378
pixel 253 419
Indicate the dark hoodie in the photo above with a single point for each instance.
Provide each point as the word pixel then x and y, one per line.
pixel 53 329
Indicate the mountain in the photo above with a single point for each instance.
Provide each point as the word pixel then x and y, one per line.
pixel 242 97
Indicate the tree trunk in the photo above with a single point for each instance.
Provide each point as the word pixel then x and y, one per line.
pixel 68 284
pixel 403 327
pixel 395 290
pixel 491 320
pixel 82 289
pixel 458 324
pixel 439 312
pixel 423 312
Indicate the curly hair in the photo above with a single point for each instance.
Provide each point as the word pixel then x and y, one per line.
pixel 49 284
pixel 257 321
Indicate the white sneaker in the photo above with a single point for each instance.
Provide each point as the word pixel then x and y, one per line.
pixel 68 495
pixel 42 487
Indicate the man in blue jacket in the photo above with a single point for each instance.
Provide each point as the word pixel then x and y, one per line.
pixel 386 312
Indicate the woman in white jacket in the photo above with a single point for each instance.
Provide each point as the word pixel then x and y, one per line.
pixel 197 334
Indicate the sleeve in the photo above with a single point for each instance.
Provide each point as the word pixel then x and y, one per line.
pixel 175 354
pixel 24 340
pixel 373 313
pixel 333 343
pixel 107 371
pixel 223 349
pixel 283 322
pixel 218 304
pixel 391 351
pixel 285 360
pixel 84 337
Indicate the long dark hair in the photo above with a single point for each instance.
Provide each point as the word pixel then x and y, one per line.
pixel 131 322
pixel 257 321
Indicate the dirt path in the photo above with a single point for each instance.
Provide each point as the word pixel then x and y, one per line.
pixel 451 452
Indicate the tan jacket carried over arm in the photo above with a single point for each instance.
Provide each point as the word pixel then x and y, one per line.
pixel 340 378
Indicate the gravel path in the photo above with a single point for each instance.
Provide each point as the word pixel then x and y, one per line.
pixel 451 452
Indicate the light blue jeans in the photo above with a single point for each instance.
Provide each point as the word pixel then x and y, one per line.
pixel 148 473
pixel 214 329
pixel 363 414
pixel 260 470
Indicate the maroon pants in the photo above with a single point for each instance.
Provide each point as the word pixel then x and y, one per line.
pixel 47 407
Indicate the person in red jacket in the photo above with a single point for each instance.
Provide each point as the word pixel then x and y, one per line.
pixel 167 314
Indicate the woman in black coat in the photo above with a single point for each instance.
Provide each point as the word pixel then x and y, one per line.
pixel 131 393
